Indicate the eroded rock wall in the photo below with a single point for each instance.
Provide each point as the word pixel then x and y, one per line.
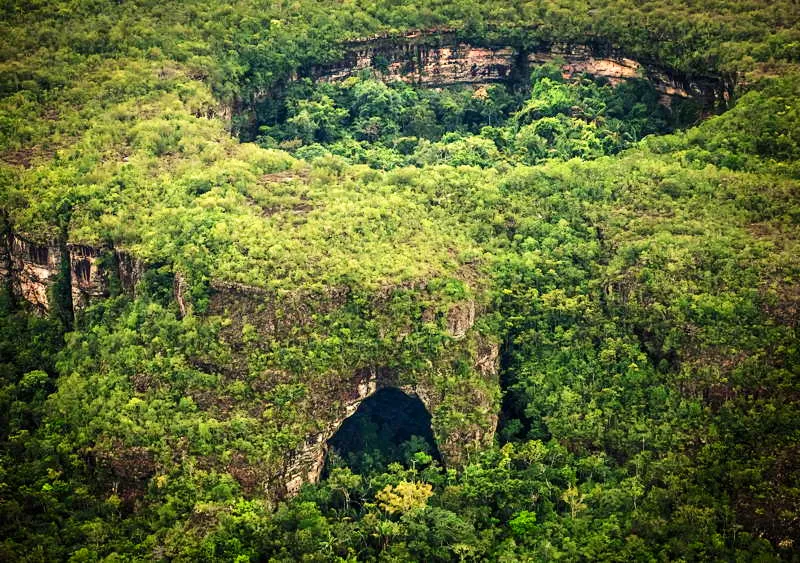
pixel 434 66
pixel 31 269
pixel 441 59
pixel 456 377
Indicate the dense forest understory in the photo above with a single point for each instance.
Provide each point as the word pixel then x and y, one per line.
pixel 248 314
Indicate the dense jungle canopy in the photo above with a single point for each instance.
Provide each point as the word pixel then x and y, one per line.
pixel 589 297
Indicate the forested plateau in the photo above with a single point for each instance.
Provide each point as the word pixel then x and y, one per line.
pixel 363 280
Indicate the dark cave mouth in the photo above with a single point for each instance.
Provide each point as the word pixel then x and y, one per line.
pixel 388 427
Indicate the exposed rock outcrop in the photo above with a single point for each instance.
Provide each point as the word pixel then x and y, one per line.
pixel 436 66
pixel 437 58
pixel 31 269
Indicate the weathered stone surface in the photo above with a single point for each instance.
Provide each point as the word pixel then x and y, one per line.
pixel 129 269
pixel 88 280
pixel 455 64
pixel 441 59
pixel 460 319
pixel 179 288
pixel 30 269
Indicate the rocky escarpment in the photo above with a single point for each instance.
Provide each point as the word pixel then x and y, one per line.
pixel 31 270
pixel 436 58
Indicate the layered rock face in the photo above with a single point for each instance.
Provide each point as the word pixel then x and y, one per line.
pixel 31 270
pixel 441 59
pixel 433 66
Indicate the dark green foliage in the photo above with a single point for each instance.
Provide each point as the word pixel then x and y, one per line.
pixel 369 122
pixel 643 285
pixel 388 427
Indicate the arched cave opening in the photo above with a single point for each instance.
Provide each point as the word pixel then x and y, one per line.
pixel 389 426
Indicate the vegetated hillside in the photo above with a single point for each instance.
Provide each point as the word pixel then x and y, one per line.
pixel 626 306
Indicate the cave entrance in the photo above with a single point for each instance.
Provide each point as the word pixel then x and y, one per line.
pixel 389 426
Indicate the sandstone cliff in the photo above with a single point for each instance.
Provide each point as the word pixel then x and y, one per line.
pixel 441 58
pixel 31 270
